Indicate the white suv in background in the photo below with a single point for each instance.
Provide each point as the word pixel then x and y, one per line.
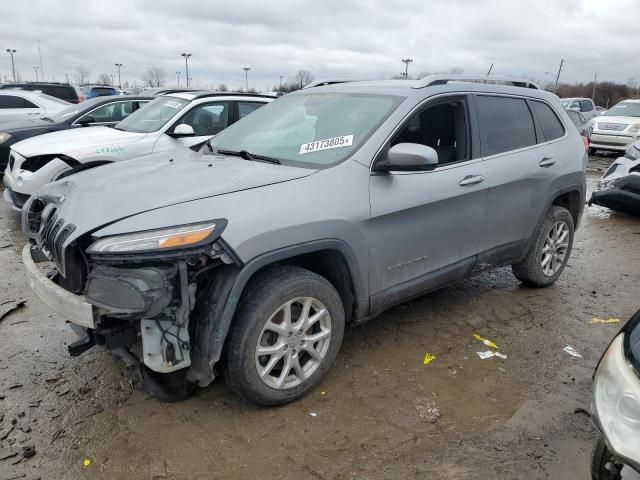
pixel 617 128
pixel 583 105
pixel 172 121
pixel 16 104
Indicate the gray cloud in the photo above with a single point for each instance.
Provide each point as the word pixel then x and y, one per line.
pixel 330 38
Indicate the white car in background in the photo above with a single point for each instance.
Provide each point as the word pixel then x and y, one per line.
pixel 178 120
pixel 15 104
pixel 617 128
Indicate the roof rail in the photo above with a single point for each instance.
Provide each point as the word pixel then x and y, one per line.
pixel 331 81
pixel 431 80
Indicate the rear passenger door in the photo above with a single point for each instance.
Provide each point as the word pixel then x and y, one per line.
pixel 521 169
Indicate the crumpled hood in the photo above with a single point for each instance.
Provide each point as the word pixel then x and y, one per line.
pixel 74 141
pixel 113 192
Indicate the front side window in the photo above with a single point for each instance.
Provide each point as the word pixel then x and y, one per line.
pixel 112 112
pixel 153 116
pixel 505 124
pixel 625 109
pixel 208 118
pixel 443 127
pixel 549 122
pixel 311 128
pixel 577 119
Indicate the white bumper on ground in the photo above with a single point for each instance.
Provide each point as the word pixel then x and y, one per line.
pixel 73 307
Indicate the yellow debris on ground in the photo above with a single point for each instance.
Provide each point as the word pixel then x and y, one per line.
pixel 605 320
pixel 487 342
pixel 428 358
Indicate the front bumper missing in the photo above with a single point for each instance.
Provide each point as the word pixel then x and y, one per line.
pixel 71 306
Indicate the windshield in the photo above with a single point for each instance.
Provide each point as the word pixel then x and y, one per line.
pixel 625 109
pixel 71 111
pixel 318 129
pixel 153 116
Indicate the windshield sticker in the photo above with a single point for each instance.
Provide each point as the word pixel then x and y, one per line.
pixel 335 142
pixel 173 104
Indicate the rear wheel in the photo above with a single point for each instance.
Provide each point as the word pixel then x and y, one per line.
pixel 285 336
pixel 550 250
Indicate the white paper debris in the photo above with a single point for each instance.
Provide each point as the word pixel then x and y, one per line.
pixel 489 353
pixel 572 351
pixel 313 414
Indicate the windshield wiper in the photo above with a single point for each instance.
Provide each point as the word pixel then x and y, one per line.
pixel 249 156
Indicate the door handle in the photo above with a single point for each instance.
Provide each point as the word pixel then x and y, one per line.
pixel 471 180
pixel 547 162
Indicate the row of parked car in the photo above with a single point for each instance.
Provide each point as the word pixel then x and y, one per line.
pixel 244 251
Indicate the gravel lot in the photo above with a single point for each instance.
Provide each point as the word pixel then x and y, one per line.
pixel 379 414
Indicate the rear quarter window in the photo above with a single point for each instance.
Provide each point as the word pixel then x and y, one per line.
pixel 585 106
pixel 550 124
pixel 505 124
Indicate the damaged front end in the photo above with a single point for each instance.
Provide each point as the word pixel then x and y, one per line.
pixel 133 294
pixel 619 187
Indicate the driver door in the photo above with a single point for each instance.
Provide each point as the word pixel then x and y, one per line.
pixel 206 119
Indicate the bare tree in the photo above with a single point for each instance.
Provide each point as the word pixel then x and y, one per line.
pixel 83 75
pixel 223 87
pixel 154 77
pixel 104 79
pixel 303 77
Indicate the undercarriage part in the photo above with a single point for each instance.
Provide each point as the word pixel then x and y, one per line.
pixel 623 195
pixel 125 292
pixel 116 337
pixel 81 345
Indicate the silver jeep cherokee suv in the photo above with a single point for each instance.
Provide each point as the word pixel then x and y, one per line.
pixel 321 209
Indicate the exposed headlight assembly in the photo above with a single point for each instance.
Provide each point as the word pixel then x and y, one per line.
pixel 4 136
pixel 159 240
pixel 616 402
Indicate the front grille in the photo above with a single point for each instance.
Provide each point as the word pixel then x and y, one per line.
pixel 18 199
pixel 617 127
pixel 11 161
pixel 49 230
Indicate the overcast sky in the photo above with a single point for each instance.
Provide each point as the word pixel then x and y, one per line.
pixel 328 38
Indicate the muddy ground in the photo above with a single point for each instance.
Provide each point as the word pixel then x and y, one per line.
pixel 379 414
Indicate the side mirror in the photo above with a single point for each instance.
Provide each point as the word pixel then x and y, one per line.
pixel 182 130
pixel 86 121
pixel 409 157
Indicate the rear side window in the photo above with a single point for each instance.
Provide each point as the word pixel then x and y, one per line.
pixel 245 108
pixel 65 93
pixel 505 124
pixel 549 122
pixel 9 101
pixel 585 106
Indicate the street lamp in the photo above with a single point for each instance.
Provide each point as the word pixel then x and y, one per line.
pixel 246 78
pixel 35 69
pixel 13 67
pixel 406 62
pixel 178 73
pixel 186 65
pixel 119 81
pixel 112 78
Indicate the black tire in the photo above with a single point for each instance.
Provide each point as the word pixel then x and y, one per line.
pixel 603 466
pixel 529 271
pixel 265 294
pixel 167 387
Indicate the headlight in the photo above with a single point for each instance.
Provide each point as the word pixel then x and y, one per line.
pixel 4 136
pixel 163 239
pixel 632 152
pixel 616 401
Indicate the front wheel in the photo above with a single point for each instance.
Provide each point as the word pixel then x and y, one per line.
pixel 285 336
pixel 550 250
pixel 603 464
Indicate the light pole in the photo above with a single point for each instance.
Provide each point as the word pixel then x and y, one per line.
pixel 281 76
pixel 406 62
pixel 246 78
pixel 35 69
pixel 178 73
pixel 119 81
pixel 112 78
pixel 186 65
pixel 13 67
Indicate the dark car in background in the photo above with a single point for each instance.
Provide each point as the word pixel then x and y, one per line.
pixel 92 91
pixel 63 91
pixel 104 111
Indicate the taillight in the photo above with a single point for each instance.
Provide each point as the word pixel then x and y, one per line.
pixel 585 140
